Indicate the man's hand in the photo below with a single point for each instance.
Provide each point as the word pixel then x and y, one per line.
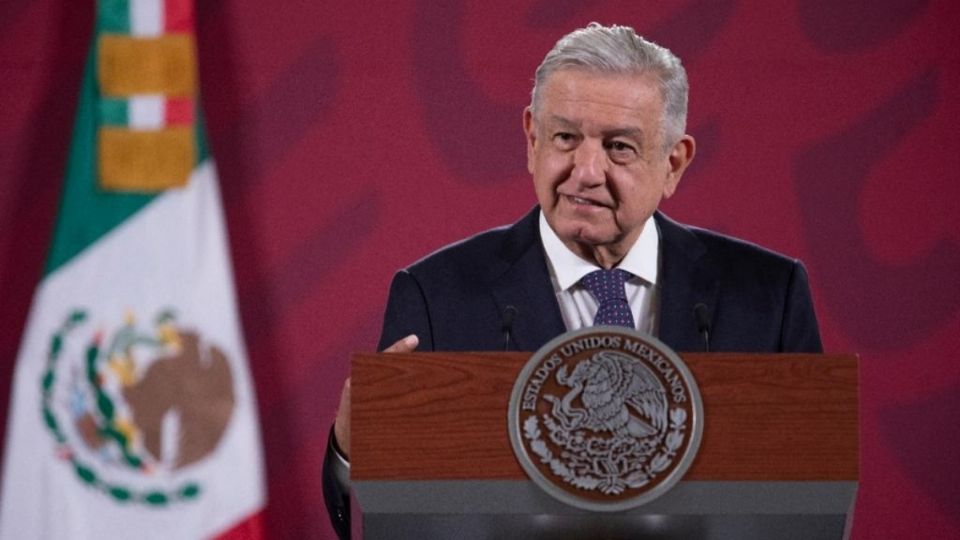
pixel 341 427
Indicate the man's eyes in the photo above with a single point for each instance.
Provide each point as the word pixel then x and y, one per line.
pixel 565 140
pixel 620 146
pixel 619 150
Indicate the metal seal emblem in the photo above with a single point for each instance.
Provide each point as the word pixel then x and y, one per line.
pixel 605 418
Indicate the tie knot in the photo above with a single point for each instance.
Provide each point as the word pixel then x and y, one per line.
pixel 606 285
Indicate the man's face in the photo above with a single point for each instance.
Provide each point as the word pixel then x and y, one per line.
pixel 599 166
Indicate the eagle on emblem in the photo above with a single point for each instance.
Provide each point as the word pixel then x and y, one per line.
pixel 617 394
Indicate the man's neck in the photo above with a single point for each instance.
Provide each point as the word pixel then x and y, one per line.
pixel 569 264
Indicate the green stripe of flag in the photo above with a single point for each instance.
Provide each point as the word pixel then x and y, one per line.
pixel 87 212
pixel 113 16
pixel 114 112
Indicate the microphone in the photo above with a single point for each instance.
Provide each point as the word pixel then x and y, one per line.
pixel 702 315
pixel 509 314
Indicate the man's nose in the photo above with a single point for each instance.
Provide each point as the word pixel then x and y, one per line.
pixel 589 164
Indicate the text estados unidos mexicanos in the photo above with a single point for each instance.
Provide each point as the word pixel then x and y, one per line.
pixel 674 380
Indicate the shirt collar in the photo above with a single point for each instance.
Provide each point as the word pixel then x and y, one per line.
pixel 569 268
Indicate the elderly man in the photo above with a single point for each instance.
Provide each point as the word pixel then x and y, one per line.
pixel 606 142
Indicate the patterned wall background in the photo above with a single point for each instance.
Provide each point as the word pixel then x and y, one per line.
pixel 353 139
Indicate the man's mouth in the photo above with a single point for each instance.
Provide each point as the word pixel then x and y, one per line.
pixel 581 201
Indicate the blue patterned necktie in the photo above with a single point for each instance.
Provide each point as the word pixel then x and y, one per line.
pixel 607 287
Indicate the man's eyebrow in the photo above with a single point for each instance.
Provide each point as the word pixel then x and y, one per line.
pixel 632 132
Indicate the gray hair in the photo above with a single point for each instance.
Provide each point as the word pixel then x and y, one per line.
pixel 619 50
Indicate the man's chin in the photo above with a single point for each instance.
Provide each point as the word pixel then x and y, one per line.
pixel 587 236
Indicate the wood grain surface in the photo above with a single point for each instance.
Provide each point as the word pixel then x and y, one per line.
pixel 444 416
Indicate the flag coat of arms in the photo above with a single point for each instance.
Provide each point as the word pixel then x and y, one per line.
pixel 133 414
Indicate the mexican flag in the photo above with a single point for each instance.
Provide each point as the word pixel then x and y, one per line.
pixel 133 414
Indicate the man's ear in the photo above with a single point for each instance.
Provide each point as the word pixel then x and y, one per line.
pixel 530 132
pixel 678 160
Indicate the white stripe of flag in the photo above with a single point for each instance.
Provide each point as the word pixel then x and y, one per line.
pixel 147 111
pixel 146 18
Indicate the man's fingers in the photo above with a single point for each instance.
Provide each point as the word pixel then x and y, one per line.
pixel 405 345
pixel 341 427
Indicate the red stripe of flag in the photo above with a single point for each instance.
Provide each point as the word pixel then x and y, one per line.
pixel 251 528
pixel 178 16
pixel 179 111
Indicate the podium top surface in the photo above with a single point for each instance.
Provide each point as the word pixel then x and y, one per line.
pixel 443 416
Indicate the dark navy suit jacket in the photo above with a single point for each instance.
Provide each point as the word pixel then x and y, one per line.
pixel 456 299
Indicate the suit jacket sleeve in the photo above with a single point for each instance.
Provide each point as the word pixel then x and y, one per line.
pixel 406 313
pixel 336 489
pixel 799 332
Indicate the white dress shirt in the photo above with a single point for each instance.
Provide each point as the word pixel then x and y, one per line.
pixel 577 306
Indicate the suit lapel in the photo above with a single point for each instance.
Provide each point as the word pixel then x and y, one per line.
pixel 524 283
pixel 688 279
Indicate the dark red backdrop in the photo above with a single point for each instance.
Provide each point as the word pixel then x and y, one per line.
pixel 353 140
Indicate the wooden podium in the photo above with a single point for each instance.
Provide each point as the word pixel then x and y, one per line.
pixel 431 455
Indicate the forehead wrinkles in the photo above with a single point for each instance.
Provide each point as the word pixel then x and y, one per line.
pixel 632 103
pixel 612 106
